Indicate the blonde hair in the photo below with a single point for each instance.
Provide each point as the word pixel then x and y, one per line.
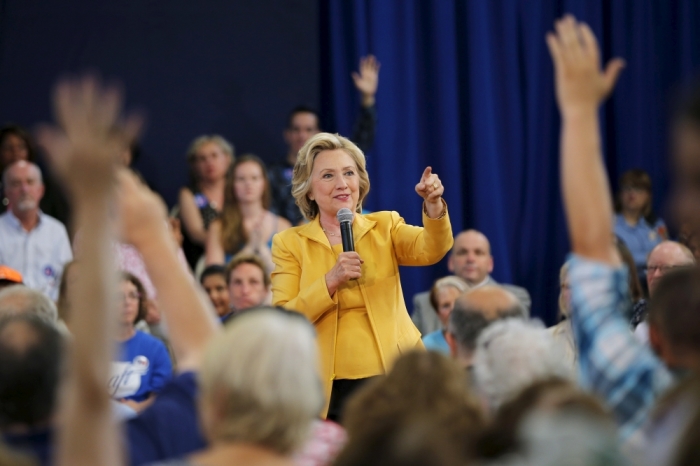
pixel 261 372
pixel 233 235
pixel 444 282
pixel 301 181
pixel 197 144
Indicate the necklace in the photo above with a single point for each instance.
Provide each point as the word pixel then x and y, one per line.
pixel 328 232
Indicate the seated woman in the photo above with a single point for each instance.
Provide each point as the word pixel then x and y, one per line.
pixel 209 158
pixel 635 223
pixel 246 224
pixel 259 391
pixel 353 298
pixel 143 366
pixel 443 295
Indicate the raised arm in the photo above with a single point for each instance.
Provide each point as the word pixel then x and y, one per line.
pixel 581 86
pixel 84 152
pixel 188 313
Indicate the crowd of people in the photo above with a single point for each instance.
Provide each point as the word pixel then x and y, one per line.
pixel 240 327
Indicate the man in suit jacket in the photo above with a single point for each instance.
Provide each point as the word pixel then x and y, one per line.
pixel 470 260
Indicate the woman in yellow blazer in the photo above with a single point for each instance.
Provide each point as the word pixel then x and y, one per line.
pixel 354 299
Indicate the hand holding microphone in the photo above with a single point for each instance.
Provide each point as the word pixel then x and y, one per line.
pixel 349 264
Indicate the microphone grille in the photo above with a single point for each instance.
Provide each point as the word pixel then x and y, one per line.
pixel 344 215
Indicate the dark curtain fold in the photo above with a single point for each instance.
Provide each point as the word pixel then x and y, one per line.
pixel 467 88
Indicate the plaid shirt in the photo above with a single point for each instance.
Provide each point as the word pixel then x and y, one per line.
pixel 624 373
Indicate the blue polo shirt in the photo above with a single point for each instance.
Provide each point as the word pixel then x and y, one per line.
pixel 640 239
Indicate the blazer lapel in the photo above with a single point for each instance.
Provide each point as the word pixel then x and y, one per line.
pixel 314 232
pixel 361 226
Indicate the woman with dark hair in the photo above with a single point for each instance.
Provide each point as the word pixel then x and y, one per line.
pixel 635 223
pixel 213 280
pixel 246 223
pixel 143 366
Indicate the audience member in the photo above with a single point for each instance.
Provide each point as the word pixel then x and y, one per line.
pixel 31 352
pixel 506 437
pixel 213 280
pixel 304 122
pixel 19 299
pixel 200 203
pixel 245 224
pixel 470 260
pixel 473 311
pixel 143 366
pixel 33 243
pixel 612 363
pixel 666 256
pixel 442 297
pixel 562 332
pixel 9 277
pixel 635 222
pixel 16 144
pixel 248 283
pixel 423 401
pixel 510 355
pixel 356 306
pixel 260 391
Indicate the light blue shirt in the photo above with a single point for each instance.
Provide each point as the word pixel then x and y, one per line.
pixel 435 341
pixel 640 239
pixel 39 255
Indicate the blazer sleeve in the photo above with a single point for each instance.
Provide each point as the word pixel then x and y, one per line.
pixel 421 245
pixel 312 301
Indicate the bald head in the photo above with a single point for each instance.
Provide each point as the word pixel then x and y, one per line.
pixel 475 310
pixel 491 302
pixel 664 257
pixel 471 257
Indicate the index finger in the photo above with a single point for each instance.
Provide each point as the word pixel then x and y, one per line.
pixel 426 173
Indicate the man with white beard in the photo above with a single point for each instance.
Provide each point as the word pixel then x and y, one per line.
pixel 32 242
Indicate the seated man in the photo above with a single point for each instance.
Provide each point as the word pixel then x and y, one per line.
pixel 33 243
pixel 472 313
pixel 19 299
pixel 471 260
pixel 304 122
pixel 665 256
pixel 248 283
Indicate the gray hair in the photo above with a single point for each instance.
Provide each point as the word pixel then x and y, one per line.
pixel 261 372
pixel 6 172
pixel 20 299
pixel 511 354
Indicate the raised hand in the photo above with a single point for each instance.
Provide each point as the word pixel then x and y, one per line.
pixel 367 80
pixel 430 188
pixel 580 82
pixel 85 147
pixel 348 267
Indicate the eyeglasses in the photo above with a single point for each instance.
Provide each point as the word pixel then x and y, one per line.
pixel 129 296
pixel 660 268
pixel 636 189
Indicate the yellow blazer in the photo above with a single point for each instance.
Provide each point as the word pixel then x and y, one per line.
pixel 303 255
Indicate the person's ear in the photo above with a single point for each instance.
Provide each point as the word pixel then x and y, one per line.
pixel 452 343
pixel 450 263
pixel 490 266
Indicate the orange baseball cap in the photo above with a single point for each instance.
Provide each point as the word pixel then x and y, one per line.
pixel 10 275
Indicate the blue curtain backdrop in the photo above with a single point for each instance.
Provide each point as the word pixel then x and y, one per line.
pixel 467 88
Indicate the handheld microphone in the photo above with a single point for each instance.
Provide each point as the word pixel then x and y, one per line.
pixel 344 216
